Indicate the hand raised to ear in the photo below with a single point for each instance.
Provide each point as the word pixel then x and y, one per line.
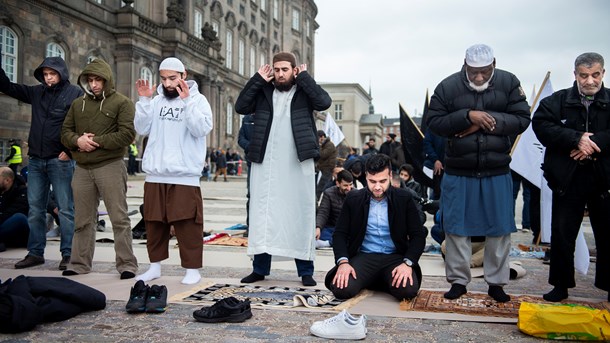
pixel 266 72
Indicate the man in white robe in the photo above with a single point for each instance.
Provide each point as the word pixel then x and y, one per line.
pixel 282 150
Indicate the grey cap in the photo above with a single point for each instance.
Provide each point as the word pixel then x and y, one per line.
pixel 479 55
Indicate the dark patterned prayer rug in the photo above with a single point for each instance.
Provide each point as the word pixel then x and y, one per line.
pixel 477 304
pixel 272 296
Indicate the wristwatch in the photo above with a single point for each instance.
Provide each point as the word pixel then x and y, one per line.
pixel 408 262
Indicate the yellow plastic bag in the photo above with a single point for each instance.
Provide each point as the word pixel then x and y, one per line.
pixel 565 322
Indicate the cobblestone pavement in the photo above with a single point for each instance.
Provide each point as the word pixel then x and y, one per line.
pixel 113 324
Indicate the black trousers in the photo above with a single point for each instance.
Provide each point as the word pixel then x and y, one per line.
pixel 568 212
pixel 374 271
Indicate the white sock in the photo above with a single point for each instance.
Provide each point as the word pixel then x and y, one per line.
pixel 191 277
pixel 154 272
pixel 322 244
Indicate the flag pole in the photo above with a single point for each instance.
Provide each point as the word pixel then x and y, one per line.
pixel 546 78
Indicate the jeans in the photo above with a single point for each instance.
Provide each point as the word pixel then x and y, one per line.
pixel 262 265
pixel 42 174
pixel 326 234
pixel 15 230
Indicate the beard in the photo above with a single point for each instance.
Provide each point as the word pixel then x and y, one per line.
pixel 284 86
pixel 482 87
pixel 170 94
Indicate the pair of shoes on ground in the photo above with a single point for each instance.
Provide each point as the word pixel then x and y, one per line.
pixel 341 326
pixel 307 280
pixel 149 299
pixel 29 261
pixel 228 310
pixel 495 291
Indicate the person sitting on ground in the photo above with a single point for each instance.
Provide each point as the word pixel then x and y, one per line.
pixel 378 239
pixel 406 174
pixel 14 228
pixel 330 208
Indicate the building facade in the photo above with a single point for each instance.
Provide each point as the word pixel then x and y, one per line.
pixel 221 42
pixel 353 112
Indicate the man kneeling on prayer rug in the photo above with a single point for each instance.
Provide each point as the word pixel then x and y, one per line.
pixel 378 238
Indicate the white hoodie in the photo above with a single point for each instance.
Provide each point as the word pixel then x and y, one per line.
pixel 176 130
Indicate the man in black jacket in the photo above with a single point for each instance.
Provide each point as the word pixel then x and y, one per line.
pixel 574 126
pixel 282 150
pixel 330 208
pixel 14 228
pixel 378 239
pixel 477 110
pixel 49 161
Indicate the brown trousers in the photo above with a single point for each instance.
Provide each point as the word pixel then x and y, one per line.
pixel 167 205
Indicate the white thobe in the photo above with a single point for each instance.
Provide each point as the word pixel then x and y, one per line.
pixel 282 192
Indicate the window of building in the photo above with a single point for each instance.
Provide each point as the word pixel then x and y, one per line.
pixel 338 111
pixel 307 28
pixel 55 50
pixel 263 58
pixel 252 60
pixel 229 50
pixel 242 10
pixel 216 27
pixel 296 19
pixel 229 130
pixel 8 52
pixel 197 23
pixel 241 57
pixel 252 19
pixel 263 27
pixel 230 3
pixel 275 34
pixel 147 74
pixel 276 10
pixel 264 5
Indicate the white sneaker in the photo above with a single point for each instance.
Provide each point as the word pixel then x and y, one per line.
pixel 53 232
pixel 341 326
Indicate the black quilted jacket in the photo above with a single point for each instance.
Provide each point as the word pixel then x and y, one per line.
pixel 480 154
pixel 256 98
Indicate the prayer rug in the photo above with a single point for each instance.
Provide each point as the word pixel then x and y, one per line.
pixel 272 296
pixel 477 304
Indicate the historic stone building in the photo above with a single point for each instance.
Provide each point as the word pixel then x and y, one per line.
pixel 222 43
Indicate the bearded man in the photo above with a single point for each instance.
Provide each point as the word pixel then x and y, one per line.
pixel 283 147
pixel 478 109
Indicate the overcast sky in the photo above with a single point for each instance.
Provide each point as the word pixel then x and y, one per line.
pixel 401 48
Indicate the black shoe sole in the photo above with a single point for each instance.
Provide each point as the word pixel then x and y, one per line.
pixel 136 310
pixel 237 318
pixel 29 265
pixel 156 310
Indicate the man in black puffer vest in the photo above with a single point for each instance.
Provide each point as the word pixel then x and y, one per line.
pixel 477 109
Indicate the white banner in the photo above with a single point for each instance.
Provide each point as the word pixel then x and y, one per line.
pixel 332 130
pixel 527 158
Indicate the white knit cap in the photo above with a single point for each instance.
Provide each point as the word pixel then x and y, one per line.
pixel 479 55
pixel 172 63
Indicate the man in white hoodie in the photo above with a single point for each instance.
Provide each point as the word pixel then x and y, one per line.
pixel 176 122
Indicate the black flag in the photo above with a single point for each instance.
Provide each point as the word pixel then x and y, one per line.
pixel 413 146
pixel 424 117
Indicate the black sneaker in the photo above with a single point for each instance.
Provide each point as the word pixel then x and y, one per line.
pixel 63 264
pixel 156 301
pixel 29 261
pixel 137 298
pixel 228 310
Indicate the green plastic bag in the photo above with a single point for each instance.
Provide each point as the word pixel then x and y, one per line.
pixel 564 322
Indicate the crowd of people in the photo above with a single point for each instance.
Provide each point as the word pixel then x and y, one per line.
pixel 301 195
